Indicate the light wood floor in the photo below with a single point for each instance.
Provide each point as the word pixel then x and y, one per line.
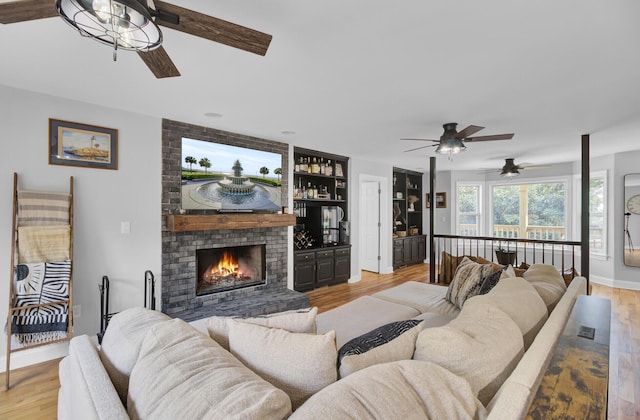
pixel 34 390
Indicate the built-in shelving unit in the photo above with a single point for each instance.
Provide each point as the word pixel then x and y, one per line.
pixel 409 243
pixel 320 204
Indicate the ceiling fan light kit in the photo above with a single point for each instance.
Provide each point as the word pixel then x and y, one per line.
pixel 133 25
pixel 122 24
pixel 452 142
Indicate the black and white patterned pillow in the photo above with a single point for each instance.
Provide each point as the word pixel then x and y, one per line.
pixel 490 282
pixel 375 338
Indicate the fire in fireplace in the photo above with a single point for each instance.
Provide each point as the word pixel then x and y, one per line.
pixel 222 269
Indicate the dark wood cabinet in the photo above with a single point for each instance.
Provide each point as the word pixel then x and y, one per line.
pixel 409 250
pixel 409 244
pixel 321 267
pixel 321 233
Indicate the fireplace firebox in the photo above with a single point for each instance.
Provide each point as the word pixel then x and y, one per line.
pixel 228 268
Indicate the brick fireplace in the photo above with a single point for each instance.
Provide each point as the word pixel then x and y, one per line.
pixel 180 242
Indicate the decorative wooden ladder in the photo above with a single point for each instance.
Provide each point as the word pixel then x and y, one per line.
pixel 15 261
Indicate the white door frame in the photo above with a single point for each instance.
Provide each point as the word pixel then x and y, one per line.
pixel 385 219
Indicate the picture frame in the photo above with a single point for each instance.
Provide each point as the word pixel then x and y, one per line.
pixel 84 145
pixel 339 169
pixel 441 200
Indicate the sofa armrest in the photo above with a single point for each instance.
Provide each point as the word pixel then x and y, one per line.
pixel 85 388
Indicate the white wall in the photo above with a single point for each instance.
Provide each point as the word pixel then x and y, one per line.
pixel 103 199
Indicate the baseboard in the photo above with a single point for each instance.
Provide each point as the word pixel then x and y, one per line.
pixel 387 270
pixel 620 284
pixel 355 279
pixel 34 356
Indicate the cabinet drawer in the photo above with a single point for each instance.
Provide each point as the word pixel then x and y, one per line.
pixel 305 256
pixel 341 252
pixel 325 254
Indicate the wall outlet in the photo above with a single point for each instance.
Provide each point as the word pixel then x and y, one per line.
pixel 77 311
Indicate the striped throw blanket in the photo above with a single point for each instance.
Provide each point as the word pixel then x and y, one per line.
pixel 43 208
pixel 36 284
pixel 43 243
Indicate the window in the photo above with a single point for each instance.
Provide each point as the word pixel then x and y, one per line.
pixel 469 209
pixel 531 211
pixel 597 213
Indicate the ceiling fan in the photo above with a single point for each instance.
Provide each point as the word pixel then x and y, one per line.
pixel 133 25
pixel 452 141
pixel 510 169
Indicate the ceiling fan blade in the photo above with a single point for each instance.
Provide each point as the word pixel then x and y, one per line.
pixel 490 138
pixel 472 129
pixel 418 148
pixel 24 10
pixel 435 141
pixel 532 167
pixel 214 29
pixel 159 63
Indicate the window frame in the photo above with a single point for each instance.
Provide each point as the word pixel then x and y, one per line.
pixel 479 214
pixel 566 180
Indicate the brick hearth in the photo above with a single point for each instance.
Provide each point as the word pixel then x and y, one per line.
pixel 179 248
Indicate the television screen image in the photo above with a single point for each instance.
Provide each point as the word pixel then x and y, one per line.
pixel 220 177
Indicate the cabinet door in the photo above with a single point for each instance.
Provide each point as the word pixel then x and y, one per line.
pixel 324 271
pixel 397 252
pixel 342 266
pixel 406 245
pixel 304 276
pixel 415 249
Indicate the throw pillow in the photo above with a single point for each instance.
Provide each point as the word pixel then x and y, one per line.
pixel 298 320
pixel 490 281
pixel 388 343
pixel 299 364
pixel 122 341
pixel 548 283
pixel 511 272
pixel 183 374
pixel 467 281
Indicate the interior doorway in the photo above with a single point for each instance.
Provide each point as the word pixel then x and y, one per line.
pixel 370 213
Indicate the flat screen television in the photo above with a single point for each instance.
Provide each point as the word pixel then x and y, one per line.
pixel 226 178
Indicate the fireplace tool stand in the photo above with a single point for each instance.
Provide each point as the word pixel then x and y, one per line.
pixel 105 315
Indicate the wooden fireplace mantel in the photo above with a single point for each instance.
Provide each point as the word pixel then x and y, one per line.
pixel 194 222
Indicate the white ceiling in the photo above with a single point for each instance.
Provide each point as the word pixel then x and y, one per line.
pixel 353 77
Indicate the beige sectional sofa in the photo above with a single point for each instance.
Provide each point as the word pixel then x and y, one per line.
pixel 484 359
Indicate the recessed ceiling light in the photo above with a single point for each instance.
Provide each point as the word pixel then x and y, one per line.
pixel 213 115
pixel 288 132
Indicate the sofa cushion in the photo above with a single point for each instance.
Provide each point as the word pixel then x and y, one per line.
pixel 183 374
pixel 548 283
pixel 122 341
pixel 297 320
pixel 483 345
pixel 467 281
pixel 407 389
pixel 434 319
pixel 388 343
pixel 423 297
pixel 299 364
pixel 360 316
pixel 518 299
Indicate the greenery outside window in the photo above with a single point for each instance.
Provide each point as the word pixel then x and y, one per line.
pixel 469 209
pixel 535 210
